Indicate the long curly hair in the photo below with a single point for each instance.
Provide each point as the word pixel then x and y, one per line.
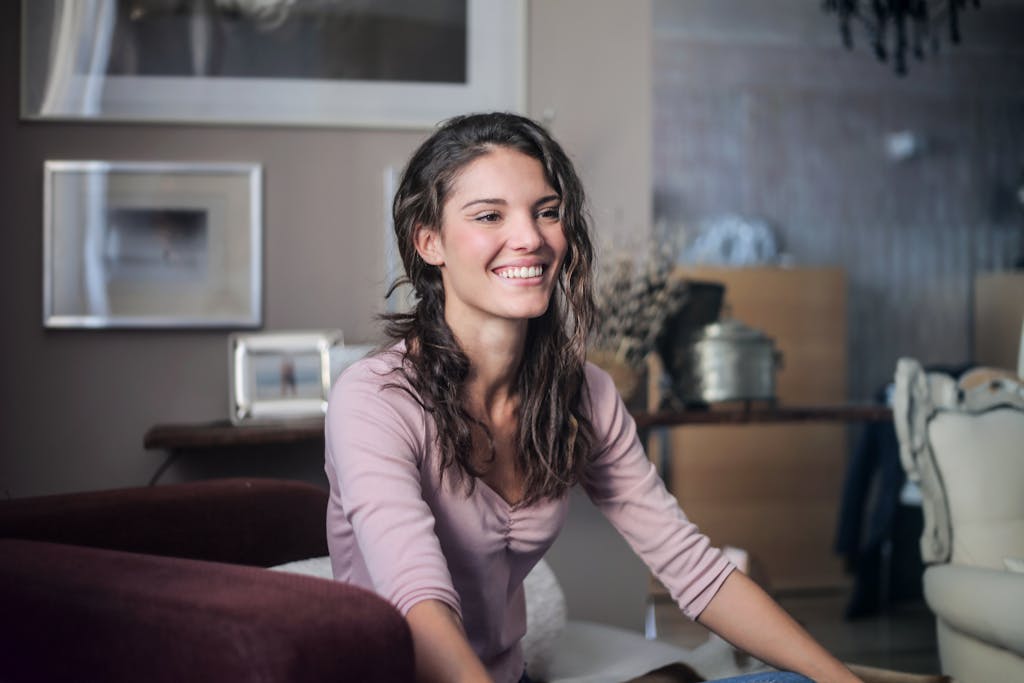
pixel 555 437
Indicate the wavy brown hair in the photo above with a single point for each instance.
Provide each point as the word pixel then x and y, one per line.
pixel 554 437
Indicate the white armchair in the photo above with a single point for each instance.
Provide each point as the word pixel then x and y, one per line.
pixel 963 443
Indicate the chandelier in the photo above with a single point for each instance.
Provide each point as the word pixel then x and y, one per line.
pixel 896 26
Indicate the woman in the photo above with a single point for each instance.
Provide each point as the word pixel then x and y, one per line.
pixel 450 453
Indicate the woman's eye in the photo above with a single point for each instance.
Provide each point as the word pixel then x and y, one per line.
pixel 489 217
pixel 550 213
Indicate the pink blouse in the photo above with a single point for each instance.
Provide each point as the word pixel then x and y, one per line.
pixel 392 527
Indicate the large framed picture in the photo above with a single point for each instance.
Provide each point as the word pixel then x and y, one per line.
pixel 141 244
pixel 387 63
pixel 281 375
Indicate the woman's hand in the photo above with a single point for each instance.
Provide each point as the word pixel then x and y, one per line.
pixel 443 654
pixel 742 613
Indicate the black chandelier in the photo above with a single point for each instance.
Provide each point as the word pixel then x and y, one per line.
pixel 898 25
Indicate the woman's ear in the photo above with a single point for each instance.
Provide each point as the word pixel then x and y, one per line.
pixel 428 245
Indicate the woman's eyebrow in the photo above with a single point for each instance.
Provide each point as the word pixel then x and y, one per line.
pixel 502 202
pixel 545 200
pixel 484 201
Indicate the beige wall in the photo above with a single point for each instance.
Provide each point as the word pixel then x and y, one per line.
pixel 76 403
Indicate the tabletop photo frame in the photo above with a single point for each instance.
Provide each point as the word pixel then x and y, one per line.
pixel 272 62
pixel 152 244
pixel 280 376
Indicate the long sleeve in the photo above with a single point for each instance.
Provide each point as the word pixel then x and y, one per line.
pixel 626 487
pixel 375 439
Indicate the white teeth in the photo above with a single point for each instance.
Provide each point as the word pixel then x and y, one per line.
pixel 522 272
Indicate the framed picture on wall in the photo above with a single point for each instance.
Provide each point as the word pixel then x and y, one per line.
pixel 387 63
pixel 281 375
pixel 151 244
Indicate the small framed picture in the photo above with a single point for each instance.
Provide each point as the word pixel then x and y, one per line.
pixel 281 375
pixel 145 244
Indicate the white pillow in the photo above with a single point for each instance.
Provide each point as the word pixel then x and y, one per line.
pixel 545 620
pixel 545 609
pixel 314 566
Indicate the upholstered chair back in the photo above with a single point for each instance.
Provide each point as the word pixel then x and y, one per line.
pixel 981 461
pixel 963 443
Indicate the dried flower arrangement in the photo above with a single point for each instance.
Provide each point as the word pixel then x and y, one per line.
pixel 634 297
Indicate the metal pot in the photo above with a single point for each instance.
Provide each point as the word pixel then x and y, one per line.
pixel 724 361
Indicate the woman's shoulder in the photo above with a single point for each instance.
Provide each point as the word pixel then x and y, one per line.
pixel 604 404
pixel 380 373
pixel 600 384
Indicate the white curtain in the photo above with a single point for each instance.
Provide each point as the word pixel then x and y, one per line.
pixel 82 34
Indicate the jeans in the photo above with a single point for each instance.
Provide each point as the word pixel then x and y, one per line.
pixel 763 677
pixel 767 677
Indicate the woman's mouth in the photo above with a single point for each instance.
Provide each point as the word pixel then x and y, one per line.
pixel 520 272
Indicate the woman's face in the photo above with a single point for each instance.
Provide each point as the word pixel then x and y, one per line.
pixel 501 245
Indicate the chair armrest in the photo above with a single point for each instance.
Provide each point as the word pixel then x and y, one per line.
pixel 260 522
pixel 75 613
pixel 982 602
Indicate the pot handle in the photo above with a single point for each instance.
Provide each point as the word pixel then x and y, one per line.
pixel 778 358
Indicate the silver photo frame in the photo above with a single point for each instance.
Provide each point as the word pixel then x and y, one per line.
pixel 389 63
pixel 152 244
pixel 276 376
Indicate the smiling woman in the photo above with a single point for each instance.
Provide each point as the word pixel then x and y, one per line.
pixel 450 453
pixel 500 245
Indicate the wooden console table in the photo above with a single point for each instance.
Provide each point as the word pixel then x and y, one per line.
pixel 212 435
pixel 222 434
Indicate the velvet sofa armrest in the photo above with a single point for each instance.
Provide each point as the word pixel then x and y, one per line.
pixel 74 613
pixel 262 522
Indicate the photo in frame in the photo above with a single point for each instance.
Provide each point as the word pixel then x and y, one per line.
pixel 389 63
pixel 151 244
pixel 276 376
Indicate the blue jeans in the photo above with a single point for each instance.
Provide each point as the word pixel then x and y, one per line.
pixel 766 677
pixel 763 677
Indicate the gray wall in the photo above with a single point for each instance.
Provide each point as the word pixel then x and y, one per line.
pixel 77 403
pixel 761 112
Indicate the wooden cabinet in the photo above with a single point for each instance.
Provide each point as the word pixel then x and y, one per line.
pixel 999 319
pixel 774 489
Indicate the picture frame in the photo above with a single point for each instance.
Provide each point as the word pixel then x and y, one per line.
pixel 102 61
pixel 280 376
pixel 152 244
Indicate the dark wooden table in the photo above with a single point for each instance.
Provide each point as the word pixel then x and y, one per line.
pixel 224 434
pixel 757 413
pixel 206 435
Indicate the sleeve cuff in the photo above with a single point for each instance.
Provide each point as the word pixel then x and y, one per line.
pixel 407 601
pixel 696 605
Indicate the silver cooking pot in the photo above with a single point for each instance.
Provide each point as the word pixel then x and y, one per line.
pixel 724 361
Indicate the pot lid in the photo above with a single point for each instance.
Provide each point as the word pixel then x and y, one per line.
pixel 731 330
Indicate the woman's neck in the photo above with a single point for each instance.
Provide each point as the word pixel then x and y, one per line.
pixel 495 351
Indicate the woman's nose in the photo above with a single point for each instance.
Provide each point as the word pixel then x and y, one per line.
pixel 525 234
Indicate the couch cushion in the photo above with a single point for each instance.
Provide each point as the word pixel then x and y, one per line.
pixel 75 613
pixel 240 521
pixel 984 603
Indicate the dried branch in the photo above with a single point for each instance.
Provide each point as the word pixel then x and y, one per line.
pixel 634 297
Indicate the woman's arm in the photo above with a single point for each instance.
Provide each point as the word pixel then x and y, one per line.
pixel 443 654
pixel 742 613
pixel 378 515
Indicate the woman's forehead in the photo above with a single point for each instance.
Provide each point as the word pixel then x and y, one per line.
pixel 501 173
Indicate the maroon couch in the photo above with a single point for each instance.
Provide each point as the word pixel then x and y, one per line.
pixel 166 584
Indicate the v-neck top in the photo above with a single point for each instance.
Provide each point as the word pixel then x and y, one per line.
pixel 396 527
